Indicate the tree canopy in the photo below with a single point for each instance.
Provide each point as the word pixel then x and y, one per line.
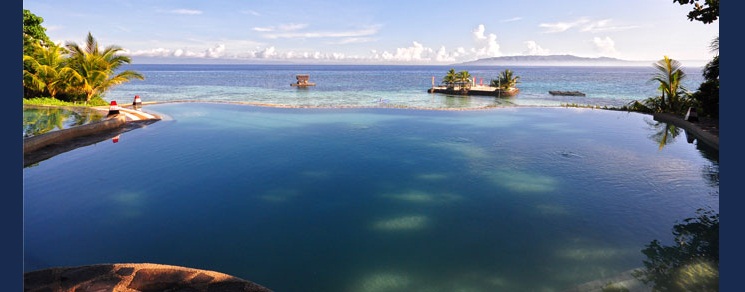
pixel 32 29
pixel 706 13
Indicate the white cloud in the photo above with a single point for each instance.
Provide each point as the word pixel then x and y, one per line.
pixel 487 44
pixel 263 29
pixel 266 53
pixel 534 49
pixel 605 46
pixel 186 11
pixel 416 52
pixel 327 34
pixel 603 26
pixel 250 12
pixel 215 52
pixel 562 26
pixel 282 27
pixel 478 32
pixel 443 55
pixel 584 25
pixel 512 19
pixel 292 26
pixel 353 41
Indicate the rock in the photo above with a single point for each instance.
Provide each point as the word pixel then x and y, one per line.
pixel 567 93
pixel 144 277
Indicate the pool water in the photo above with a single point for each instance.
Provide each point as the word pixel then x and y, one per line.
pixel 510 199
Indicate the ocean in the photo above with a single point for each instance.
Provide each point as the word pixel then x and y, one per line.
pixel 386 86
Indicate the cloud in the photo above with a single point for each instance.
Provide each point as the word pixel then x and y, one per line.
pixel 603 26
pixel 511 19
pixel 353 41
pixel 605 46
pixel 534 49
pixel 325 34
pixel 487 45
pixel 478 32
pixel 186 11
pixel 292 26
pixel 217 51
pixel 267 53
pixel 281 27
pixel 250 12
pixel 584 25
pixel 562 26
pixel 415 52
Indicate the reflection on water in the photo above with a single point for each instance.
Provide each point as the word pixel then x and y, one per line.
pixel 691 263
pixel 667 133
pixel 39 120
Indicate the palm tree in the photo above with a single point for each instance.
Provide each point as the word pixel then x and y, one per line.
pixel 669 75
pixel 450 78
pixel 47 70
pixel 464 78
pixel 506 80
pixel 95 67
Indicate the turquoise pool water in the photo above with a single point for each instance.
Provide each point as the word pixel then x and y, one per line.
pixel 509 199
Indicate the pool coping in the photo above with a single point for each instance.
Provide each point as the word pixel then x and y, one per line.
pixel 44 146
pixel 690 127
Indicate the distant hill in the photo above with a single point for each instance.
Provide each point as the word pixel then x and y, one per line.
pixel 553 60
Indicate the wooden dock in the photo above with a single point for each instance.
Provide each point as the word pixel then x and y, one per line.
pixel 302 81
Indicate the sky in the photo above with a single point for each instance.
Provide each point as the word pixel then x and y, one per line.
pixel 379 32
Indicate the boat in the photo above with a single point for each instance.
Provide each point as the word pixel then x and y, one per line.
pixel 302 81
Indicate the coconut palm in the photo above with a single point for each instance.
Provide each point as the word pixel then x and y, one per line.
pixel 450 78
pixel 96 68
pixel 669 75
pixel 506 80
pixel 47 70
pixel 464 79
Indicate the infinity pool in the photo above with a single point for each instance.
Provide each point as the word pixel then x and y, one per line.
pixel 513 199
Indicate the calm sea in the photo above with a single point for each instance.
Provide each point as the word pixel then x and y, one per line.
pixel 386 86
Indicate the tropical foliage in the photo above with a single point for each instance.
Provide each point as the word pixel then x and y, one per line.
pixel 707 95
pixel 450 78
pixel 96 69
pixel 506 80
pixel 461 79
pixel 33 32
pixel 70 73
pixel 673 96
pixel 47 71
pixel 706 13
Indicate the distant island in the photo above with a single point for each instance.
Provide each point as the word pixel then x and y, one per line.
pixel 553 60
